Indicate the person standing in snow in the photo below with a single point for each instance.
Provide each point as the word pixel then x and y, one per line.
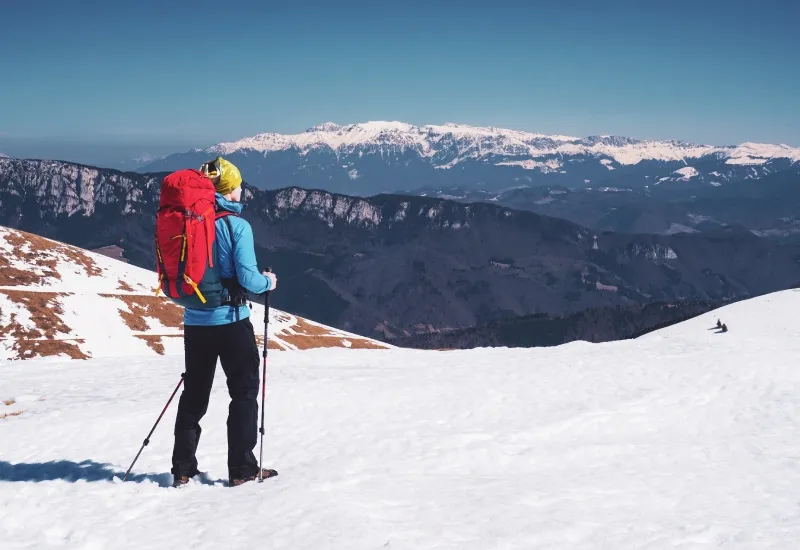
pixel 226 333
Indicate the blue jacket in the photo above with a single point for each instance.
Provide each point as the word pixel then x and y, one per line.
pixel 242 261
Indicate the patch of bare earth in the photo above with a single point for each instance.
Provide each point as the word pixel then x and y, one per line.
pixel 308 336
pixel 143 307
pixel 13 276
pixel 361 343
pixel 123 286
pixel 156 342
pixel 41 253
pixel 41 339
pixel 7 415
pixel 271 345
pixel 281 317
pixel 8 402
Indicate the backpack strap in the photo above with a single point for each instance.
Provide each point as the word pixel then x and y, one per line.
pixel 236 294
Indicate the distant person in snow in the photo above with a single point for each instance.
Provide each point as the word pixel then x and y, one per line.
pixel 719 323
pixel 724 327
pixel 224 332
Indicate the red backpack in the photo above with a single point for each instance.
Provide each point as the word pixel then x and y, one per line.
pixel 186 241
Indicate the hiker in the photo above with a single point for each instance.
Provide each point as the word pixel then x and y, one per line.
pixel 719 323
pixel 224 332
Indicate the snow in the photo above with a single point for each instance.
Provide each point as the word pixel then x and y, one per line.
pixel 686 173
pixel 547 166
pixel 760 153
pixel 460 141
pixel 684 438
pixel 675 228
pixel 89 296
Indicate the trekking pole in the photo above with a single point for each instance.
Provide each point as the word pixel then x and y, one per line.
pixel 147 439
pixel 264 381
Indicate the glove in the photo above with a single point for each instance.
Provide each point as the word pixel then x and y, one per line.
pixel 272 279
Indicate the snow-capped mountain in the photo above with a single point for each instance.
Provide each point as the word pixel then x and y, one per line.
pixel 136 163
pixel 684 438
pixel 59 300
pixel 377 157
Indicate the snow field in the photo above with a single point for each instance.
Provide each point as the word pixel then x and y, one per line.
pixel 684 438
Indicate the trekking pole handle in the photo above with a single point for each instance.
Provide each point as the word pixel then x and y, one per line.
pixel 267 269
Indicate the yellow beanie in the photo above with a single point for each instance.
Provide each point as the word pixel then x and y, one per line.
pixel 224 174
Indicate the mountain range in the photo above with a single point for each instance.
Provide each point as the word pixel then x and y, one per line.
pixel 769 207
pixel 395 265
pixel 381 157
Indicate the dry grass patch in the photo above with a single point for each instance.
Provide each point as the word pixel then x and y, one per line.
pixel 362 343
pixel 43 255
pixel 307 329
pixel 282 317
pixel 8 402
pixel 40 340
pixel 28 349
pixel 44 309
pixel 141 307
pixel 305 335
pixel 123 286
pixel 272 344
pixel 303 342
pixel 13 276
pixel 154 342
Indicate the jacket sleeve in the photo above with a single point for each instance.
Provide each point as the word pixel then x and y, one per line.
pixel 244 260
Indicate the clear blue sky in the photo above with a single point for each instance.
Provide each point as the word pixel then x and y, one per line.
pixel 84 78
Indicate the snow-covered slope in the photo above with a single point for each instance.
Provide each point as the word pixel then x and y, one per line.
pixel 432 140
pixel 58 300
pixel 684 438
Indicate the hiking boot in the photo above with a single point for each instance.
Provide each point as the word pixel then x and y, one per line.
pixel 265 472
pixel 180 481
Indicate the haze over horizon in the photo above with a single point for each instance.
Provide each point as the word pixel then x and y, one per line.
pixel 710 73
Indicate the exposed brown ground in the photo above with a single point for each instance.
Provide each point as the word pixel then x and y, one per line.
pixel 307 329
pixel 29 349
pixel 9 402
pixel 360 343
pixel 39 252
pixel 6 415
pixel 155 307
pixel 272 344
pixel 308 336
pixel 156 342
pixel 123 286
pixel 41 339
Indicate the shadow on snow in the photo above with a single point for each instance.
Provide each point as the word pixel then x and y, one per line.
pixel 86 470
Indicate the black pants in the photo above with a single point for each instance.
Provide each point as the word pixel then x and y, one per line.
pixel 235 345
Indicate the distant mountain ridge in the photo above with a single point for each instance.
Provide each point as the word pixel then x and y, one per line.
pixel 394 265
pixel 769 207
pixel 375 157
pixel 590 325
